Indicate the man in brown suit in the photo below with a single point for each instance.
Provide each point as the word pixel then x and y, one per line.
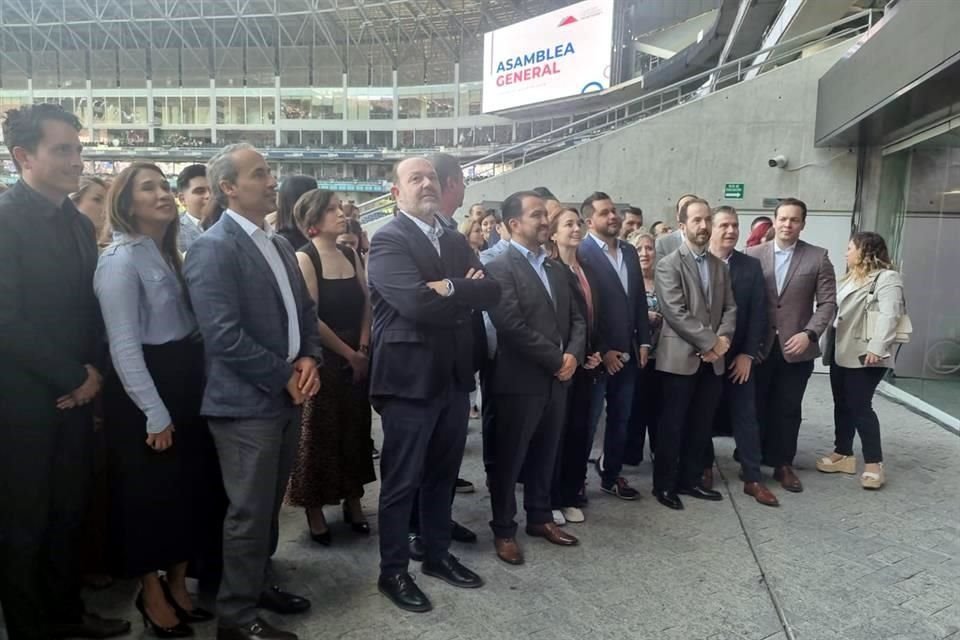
pixel 798 277
pixel 699 319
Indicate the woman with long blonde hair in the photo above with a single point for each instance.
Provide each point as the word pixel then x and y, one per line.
pixel 860 350
pixel 151 398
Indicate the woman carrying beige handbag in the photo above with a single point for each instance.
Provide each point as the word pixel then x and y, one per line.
pixel 871 320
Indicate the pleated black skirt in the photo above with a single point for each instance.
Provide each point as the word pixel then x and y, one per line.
pixel 152 494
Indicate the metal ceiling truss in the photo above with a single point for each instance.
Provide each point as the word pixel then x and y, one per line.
pixel 395 29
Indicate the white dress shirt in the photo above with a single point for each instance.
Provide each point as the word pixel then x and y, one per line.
pixel 616 261
pixel 536 261
pixel 782 258
pixel 264 241
pixel 433 233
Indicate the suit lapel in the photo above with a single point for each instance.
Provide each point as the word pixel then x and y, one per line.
pixel 686 259
pixel 292 269
pixel 422 247
pixel 717 292
pixel 795 260
pixel 252 252
pixel 769 263
pixel 600 255
pixel 524 266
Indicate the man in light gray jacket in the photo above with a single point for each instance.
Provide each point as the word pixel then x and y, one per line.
pixel 699 320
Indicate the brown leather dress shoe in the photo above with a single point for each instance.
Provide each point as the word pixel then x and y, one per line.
pixel 508 550
pixel 761 494
pixel 706 481
pixel 552 533
pixel 788 479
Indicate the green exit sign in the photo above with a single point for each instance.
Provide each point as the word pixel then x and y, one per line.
pixel 733 191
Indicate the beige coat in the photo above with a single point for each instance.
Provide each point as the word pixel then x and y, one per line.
pixel 690 324
pixel 846 342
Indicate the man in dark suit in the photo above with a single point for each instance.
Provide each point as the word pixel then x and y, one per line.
pixel 699 319
pixel 623 336
pixel 540 343
pixel 450 176
pixel 424 285
pixel 51 351
pixel 801 304
pixel 739 385
pixel 262 346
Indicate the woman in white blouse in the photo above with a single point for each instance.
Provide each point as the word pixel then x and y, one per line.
pixel 151 398
pixel 859 356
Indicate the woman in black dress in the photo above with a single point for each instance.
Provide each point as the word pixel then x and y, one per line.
pixel 151 398
pixel 334 461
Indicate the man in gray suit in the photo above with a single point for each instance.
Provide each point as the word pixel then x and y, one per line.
pixel 193 191
pixel 670 242
pixel 798 277
pixel 262 344
pixel 699 319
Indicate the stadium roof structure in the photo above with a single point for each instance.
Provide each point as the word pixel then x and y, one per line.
pixel 377 30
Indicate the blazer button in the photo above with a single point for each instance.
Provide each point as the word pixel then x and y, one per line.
pixel 779 306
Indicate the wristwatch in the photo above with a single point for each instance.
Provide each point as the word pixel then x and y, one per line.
pixel 812 335
pixel 449 288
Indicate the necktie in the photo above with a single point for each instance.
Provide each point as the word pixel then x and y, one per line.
pixel 704 270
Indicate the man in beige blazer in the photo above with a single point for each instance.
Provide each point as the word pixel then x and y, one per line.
pixel 801 304
pixel 699 315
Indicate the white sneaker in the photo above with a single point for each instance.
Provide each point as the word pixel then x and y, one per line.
pixel 558 518
pixel 573 514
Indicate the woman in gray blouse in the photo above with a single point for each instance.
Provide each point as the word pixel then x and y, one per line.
pixel 151 398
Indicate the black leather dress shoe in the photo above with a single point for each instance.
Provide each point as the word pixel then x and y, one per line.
pixel 418 550
pixel 460 533
pixel 273 599
pixel 668 499
pixel 452 572
pixel 701 493
pixel 404 592
pixel 90 625
pixel 256 630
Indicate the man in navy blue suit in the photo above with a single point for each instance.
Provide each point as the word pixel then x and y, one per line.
pixel 623 337
pixel 425 283
pixel 739 388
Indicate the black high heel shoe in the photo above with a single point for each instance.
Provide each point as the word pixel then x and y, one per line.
pixel 324 538
pixel 195 615
pixel 363 528
pixel 182 630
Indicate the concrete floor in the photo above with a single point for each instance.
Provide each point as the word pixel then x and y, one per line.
pixel 832 563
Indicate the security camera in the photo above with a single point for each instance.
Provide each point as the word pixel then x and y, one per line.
pixel 777 162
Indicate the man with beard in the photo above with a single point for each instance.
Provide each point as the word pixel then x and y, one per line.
pixel 623 335
pixel 699 319
pixel 632 220
pixel 425 284
pixel 540 338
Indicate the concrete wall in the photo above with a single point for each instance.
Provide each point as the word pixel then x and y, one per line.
pixel 914 39
pixel 726 137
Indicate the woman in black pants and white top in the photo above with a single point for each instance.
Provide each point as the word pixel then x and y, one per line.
pixel 859 356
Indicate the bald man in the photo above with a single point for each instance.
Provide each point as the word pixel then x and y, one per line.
pixel 425 282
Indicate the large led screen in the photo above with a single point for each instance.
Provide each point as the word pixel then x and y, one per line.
pixel 558 54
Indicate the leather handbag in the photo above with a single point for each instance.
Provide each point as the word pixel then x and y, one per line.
pixel 904 325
